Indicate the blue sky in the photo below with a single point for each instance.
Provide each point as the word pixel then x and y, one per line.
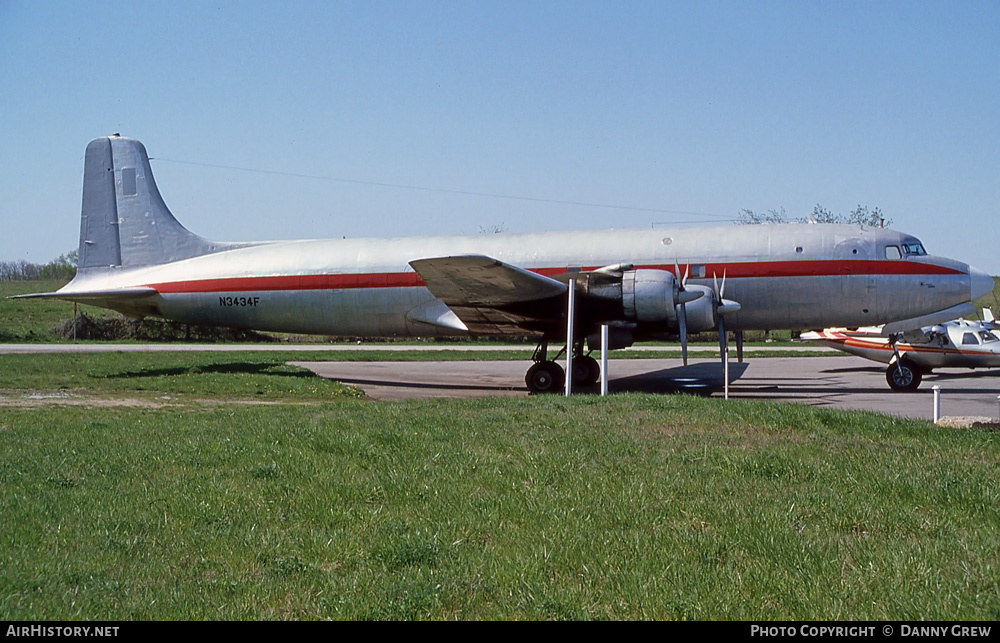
pixel 673 112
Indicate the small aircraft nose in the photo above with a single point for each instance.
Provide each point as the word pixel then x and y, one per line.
pixel 981 284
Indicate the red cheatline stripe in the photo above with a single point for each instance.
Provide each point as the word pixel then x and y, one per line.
pixel 413 280
pixel 294 282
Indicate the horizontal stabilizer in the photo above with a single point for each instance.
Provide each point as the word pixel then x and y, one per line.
pixel 940 317
pixel 133 302
pixel 89 296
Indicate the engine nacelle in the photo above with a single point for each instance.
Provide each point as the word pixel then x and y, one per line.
pixel 649 295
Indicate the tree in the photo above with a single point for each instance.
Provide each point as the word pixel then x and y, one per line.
pixel 861 215
pixel 61 269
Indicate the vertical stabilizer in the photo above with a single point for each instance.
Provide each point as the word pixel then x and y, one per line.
pixel 124 221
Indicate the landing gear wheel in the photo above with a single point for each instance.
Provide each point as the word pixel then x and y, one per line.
pixel 902 377
pixel 586 370
pixel 545 377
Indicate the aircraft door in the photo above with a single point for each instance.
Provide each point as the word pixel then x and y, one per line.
pixel 857 284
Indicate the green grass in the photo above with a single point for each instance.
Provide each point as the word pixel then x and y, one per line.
pixel 31 320
pixel 321 505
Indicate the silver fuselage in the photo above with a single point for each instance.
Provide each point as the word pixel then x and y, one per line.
pixel 784 276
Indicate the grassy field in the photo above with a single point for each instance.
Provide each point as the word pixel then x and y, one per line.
pixel 164 486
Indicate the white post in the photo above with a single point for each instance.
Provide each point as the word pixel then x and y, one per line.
pixel 604 360
pixel 998 404
pixel 725 370
pixel 569 335
pixel 937 403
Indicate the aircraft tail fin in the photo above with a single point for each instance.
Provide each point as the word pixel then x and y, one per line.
pixel 124 221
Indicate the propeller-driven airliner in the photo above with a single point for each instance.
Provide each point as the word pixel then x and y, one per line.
pixel 136 258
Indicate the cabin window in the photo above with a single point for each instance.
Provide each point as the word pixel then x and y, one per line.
pixel 892 252
pixel 969 339
pixel 987 336
pixel 698 271
pixel 128 181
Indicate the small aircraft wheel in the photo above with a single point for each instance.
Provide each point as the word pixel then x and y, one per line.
pixel 545 377
pixel 902 377
pixel 586 370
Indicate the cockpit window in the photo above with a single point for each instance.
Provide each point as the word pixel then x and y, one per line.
pixel 914 248
pixel 969 339
pixel 892 252
pixel 987 336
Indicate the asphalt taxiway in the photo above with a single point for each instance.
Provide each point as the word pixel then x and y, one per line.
pixel 845 382
pixel 838 381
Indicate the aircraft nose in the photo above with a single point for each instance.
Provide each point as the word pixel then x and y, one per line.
pixel 981 284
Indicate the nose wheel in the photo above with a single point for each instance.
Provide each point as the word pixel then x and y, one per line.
pixel 902 377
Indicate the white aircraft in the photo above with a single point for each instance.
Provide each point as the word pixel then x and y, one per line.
pixel 134 257
pixel 911 354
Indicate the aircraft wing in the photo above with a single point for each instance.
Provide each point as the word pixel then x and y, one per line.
pixel 490 296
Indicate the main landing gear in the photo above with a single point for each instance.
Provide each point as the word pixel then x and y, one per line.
pixel 547 376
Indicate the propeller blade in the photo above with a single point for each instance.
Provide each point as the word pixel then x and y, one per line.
pixel 683 297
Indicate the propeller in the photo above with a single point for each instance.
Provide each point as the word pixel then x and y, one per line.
pixel 723 307
pixel 681 309
pixel 683 298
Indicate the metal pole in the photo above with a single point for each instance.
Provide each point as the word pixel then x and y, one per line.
pixel 937 403
pixel 571 303
pixel 725 370
pixel 604 360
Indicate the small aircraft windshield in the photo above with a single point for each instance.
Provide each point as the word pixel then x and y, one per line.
pixel 913 248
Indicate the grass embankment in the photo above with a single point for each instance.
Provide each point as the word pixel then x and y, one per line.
pixel 321 505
